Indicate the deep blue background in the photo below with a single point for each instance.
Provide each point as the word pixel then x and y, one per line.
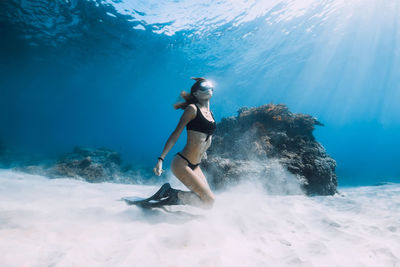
pixel 106 73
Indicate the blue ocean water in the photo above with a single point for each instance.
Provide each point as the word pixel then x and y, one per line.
pixel 106 73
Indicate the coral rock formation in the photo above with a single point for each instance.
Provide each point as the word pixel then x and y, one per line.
pixel 267 134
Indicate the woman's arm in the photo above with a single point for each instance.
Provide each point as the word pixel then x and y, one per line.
pixel 188 115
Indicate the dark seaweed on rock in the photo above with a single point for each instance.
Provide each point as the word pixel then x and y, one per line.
pixel 270 132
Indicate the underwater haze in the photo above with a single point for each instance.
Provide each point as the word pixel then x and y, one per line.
pixel 106 73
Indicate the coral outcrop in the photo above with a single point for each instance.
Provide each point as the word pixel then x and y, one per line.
pixel 94 165
pixel 268 135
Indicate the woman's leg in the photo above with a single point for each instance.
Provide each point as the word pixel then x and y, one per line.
pixel 201 194
pixel 200 173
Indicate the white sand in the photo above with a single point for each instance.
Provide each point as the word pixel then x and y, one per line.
pixel 66 222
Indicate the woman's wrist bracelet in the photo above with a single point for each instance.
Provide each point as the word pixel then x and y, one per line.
pixel 160 158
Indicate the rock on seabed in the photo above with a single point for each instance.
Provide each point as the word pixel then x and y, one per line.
pixel 94 165
pixel 266 134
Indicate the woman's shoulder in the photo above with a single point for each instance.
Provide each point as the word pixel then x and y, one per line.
pixel 192 105
pixel 191 109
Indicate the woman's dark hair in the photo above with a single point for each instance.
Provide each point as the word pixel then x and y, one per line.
pixel 189 98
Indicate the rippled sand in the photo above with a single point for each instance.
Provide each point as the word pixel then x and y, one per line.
pixel 66 222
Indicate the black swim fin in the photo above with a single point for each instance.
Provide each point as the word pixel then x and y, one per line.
pixel 166 195
pixel 162 192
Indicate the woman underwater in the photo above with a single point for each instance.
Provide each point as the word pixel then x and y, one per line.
pixel 200 124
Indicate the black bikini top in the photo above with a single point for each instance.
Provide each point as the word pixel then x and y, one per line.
pixel 201 124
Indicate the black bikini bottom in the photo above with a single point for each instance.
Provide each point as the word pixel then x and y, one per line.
pixel 192 166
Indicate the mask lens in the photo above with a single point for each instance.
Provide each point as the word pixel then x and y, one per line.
pixel 205 86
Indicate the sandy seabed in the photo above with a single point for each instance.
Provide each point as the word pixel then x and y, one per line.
pixel 68 222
